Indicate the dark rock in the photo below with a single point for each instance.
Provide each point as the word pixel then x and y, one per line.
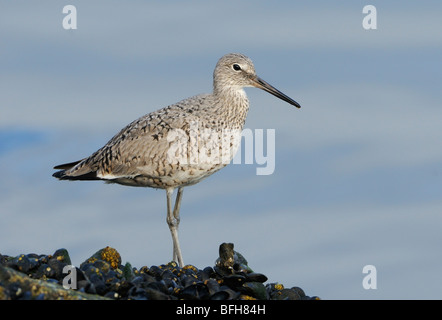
pixel 225 294
pixel 22 263
pixel 44 271
pixel 299 291
pixel 152 294
pixel 234 281
pixel 255 289
pixel 102 276
pixel 255 277
pixel 107 254
pixel 62 255
pixel 57 266
pixel 213 286
pixel 196 291
pixel 121 288
pixel 21 286
pixel 285 294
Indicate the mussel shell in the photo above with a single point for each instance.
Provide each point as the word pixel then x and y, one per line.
pixel 255 289
pixel 234 281
pixel 196 291
pixel 225 294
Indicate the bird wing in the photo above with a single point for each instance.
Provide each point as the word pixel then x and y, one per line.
pixel 142 147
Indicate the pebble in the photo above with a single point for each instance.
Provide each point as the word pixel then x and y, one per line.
pixel 103 275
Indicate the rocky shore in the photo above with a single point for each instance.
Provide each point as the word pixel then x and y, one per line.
pixel 103 276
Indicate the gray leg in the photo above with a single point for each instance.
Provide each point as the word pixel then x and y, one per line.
pixel 173 220
pixel 176 209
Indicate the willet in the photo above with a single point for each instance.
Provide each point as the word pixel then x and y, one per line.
pixel 175 146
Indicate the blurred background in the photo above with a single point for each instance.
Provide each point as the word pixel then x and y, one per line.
pixel 358 176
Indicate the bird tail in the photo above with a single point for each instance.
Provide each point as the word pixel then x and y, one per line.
pixel 70 171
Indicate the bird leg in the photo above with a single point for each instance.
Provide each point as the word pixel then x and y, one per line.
pixel 173 220
pixel 177 256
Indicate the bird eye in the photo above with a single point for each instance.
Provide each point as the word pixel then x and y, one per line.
pixel 236 67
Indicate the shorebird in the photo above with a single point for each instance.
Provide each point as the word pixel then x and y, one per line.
pixel 181 144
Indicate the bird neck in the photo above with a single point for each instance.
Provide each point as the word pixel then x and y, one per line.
pixel 233 104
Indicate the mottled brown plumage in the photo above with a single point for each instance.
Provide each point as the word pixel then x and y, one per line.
pixel 181 144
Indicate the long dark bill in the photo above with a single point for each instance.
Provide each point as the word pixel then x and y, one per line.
pixel 259 83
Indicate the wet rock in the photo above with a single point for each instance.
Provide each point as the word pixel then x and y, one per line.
pixel 108 254
pixel 102 275
pixel 121 288
pixel 56 266
pixel 44 272
pixel 256 290
pixel 23 263
pixel 225 293
pixel 62 255
pixel 299 291
pixel 197 291
pixel 255 277
pixel 234 281
pixel 17 285
pixel 285 294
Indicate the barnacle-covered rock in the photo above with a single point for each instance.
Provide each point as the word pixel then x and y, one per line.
pixel 107 254
pixel 102 276
pixel 17 285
